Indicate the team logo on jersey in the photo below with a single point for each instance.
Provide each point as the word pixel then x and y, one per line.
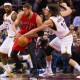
pixel 8 21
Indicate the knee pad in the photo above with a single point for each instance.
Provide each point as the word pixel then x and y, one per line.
pixel 48 50
pixel 66 57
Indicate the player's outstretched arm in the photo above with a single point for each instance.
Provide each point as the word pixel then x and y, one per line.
pixel 67 10
pixel 47 23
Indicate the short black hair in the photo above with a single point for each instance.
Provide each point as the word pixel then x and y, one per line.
pixel 27 5
pixel 54 9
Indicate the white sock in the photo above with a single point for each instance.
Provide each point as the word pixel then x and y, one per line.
pixel 25 57
pixel 7 67
pixel 48 65
pixel 77 67
pixel 30 63
pixel 28 58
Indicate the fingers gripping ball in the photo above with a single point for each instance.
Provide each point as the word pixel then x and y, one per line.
pixel 22 41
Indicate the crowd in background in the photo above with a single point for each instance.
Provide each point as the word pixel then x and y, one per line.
pixel 72 21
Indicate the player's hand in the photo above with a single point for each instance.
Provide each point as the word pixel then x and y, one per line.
pixel 63 4
pixel 18 35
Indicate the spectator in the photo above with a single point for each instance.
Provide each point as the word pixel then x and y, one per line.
pixel 75 50
pixel 39 5
pixel 78 31
pixel 76 21
pixel 71 28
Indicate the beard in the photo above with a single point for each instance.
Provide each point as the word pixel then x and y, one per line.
pixel 27 15
pixel 8 11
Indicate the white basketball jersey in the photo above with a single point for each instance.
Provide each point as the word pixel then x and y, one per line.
pixel 8 23
pixel 61 26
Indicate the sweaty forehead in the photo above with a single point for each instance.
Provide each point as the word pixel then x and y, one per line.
pixel 25 9
pixel 7 6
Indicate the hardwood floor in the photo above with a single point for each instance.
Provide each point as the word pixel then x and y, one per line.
pixel 55 77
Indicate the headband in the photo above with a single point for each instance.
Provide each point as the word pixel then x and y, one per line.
pixel 47 8
pixel 7 4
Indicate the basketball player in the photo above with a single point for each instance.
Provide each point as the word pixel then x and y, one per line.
pixel 29 20
pixel 64 38
pixel 9 18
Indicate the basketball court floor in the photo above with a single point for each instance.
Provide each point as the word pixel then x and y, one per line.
pixel 29 77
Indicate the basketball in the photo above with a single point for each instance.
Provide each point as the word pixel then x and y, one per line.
pixel 22 41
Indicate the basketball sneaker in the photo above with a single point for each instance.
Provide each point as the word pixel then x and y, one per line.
pixel 6 74
pixel 78 77
pixel 47 73
pixel 17 68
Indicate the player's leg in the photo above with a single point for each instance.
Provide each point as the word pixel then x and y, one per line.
pixel 27 58
pixel 4 48
pixel 66 52
pixel 31 51
pixel 15 59
pixel 55 43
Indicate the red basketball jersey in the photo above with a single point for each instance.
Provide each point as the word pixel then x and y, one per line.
pixel 26 25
